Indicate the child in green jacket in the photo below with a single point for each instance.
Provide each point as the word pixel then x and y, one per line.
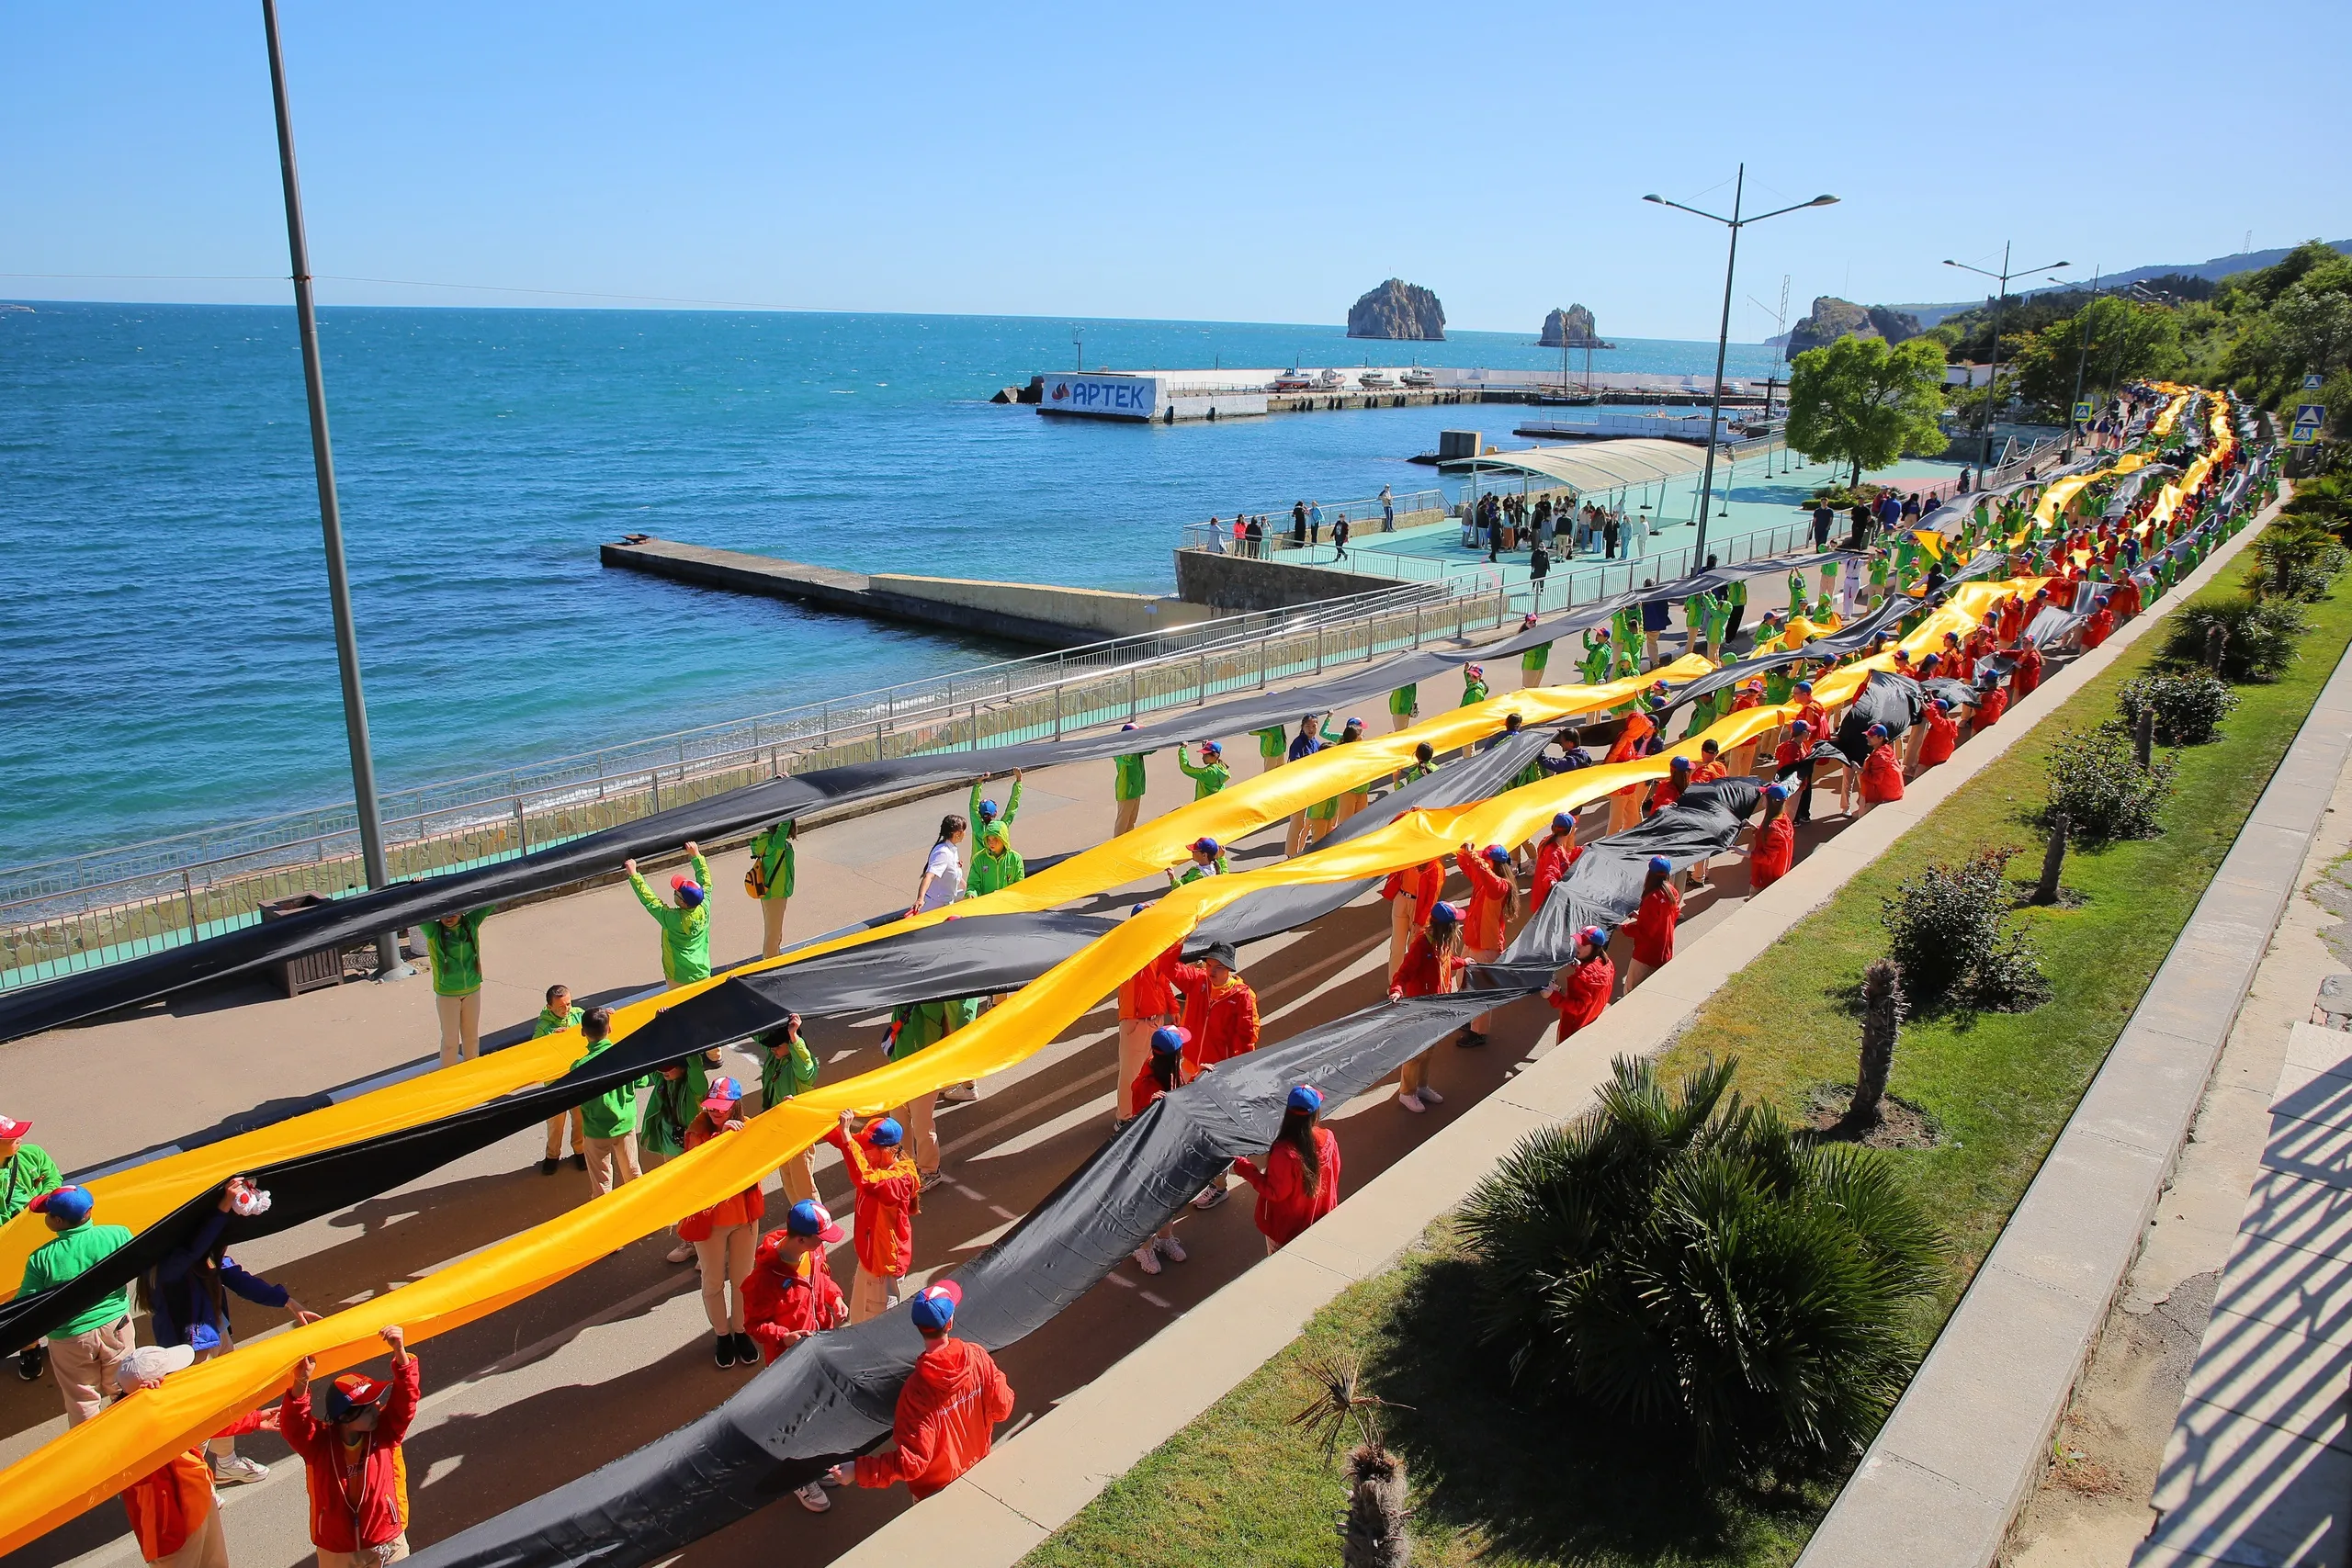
pixel 1212 775
pixel 608 1121
pixel 560 1014
pixel 685 927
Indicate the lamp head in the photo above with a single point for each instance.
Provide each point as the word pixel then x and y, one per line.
pixel 1823 201
pixel 1660 200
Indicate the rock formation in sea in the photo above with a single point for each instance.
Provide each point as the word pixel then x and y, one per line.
pixel 1571 328
pixel 1833 318
pixel 1397 309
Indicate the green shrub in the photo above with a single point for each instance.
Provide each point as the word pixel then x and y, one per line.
pixel 2102 789
pixel 1685 1264
pixel 1944 927
pixel 2262 637
pixel 2297 560
pixel 2189 706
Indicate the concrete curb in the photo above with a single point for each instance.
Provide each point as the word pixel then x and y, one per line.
pixel 1038 1481
pixel 1966 1443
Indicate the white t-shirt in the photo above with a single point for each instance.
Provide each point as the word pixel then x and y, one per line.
pixel 945 869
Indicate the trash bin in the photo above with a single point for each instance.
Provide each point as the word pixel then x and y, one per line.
pixel 304 970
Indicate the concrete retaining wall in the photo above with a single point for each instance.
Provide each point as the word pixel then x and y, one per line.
pixel 1095 612
pixel 1240 583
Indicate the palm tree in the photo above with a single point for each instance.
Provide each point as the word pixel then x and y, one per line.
pixel 1372 1531
pixel 1882 1019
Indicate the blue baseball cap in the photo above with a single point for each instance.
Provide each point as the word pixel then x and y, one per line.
pixel 1305 1097
pixel 71 1204
pixel 987 810
pixel 934 1307
pixel 1776 792
pixel 1680 764
pixel 1443 914
pixel 1496 852
pixel 1594 936
pixel 1659 862
pixel 1205 846
pixel 885 1134
pixel 809 1217
pixel 1562 822
pixel 1877 730
pixel 1167 1039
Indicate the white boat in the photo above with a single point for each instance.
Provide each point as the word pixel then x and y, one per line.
pixel 1417 377
pixel 1330 380
pixel 1375 381
pixel 1294 380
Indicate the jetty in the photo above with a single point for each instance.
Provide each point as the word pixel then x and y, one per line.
pixel 1042 615
pixel 1171 397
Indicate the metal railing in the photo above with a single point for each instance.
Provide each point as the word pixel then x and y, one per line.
pixel 1363 516
pixel 84 911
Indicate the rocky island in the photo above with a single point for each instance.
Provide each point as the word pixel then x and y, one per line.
pixel 1571 328
pixel 1398 310
pixel 1833 318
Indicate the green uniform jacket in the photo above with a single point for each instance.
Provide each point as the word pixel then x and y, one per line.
pixel 1206 781
pixel 771 849
pixel 1778 684
pixel 1195 871
pixel 1416 771
pixel 784 1074
pixel 1535 658
pixel 1003 819
pixel 27 1174
pixel 1273 742
pixel 1129 785
pixel 1598 656
pixel 1473 692
pixel 1403 700
pixel 456 953
pixel 927 1023
pixel 549 1021
pixel 1736 593
pixel 991 872
pixel 69 1254
pixel 671 1106
pixel 613 1113
pixel 685 933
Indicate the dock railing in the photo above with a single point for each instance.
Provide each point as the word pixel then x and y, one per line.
pixel 84 911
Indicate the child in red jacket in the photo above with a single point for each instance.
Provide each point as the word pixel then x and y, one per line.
pixel 1494 899
pixel 1554 856
pixel 1166 1072
pixel 890 1192
pixel 1882 774
pixel 1775 849
pixel 1938 735
pixel 791 1295
pixel 1433 967
pixel 1580 992
pixel 1301 1181
pixel 1653 924
pixel 1411 893
pixel 948 1408
pixel 353 1463
pixel 1147 1000
pixel 173 1511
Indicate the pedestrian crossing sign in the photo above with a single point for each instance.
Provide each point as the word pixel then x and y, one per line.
pixel 2309 417
pixel 2082 411
pixel 2312 382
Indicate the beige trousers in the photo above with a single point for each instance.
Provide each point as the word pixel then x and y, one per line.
pixel 799 1173
pixel 724 1260
pixel 1124 821
pixel 460 1026
pixel 207 1548
pixel 363 1559
pixel 772 926
pixel 871 1295
pixel 556 1126
pixel 83 1365
pixel 923 1134
pixel 612 1162
pixel 1397 721
pixel 1400 932
pixel 1485 1020
pixel 1135 1050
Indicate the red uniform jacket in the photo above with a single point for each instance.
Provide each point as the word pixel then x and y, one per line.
pixel 1423 883
pixel 1423 973
pixel 1551 861
pixel 1146 1089
pixel 1639 727
pixel 1150 991
pixel 1286 1205
pixel 947 1414
pixel 1223 1023
pixel 2097 630
pixel 169 1505
pixel 1666 794
pixel 743 1209
pixel 1482 932
pixel 1652 927
pixel 1585 995
pixel 2028 675
pixel 890 1190
pixel 1775 851
pixel 369 1507
pixel 2125 600
pixel 1943 734
pixel 784 1297
pixel 1815 714
pixel 1990 705
pixel 1788 753
pixel 1882 775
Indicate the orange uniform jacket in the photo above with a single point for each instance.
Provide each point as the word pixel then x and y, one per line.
pixel 947 1414
pixel 1150 991
pixel 783 1298
pixel 1586 995
pixel 169 1505
pixel 1990 705
pixel 1423 883
pixel 1423 973
pixel 1481 930
pixel 348 1512
pixel 889 1192
pixel 743 1209
pixel 1286 1205
pixel 1551 861
pixel 1775 851
pixel 1222 1023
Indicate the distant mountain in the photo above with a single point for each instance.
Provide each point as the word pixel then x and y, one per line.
pixel 1832 318
pixel 2218 267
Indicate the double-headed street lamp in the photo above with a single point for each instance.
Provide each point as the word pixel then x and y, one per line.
pixel 1723 336
pixel 1985 425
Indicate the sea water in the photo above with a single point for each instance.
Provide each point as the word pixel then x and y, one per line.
pixel 167 652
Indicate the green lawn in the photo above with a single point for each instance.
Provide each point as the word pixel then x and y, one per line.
pixel 1497 1483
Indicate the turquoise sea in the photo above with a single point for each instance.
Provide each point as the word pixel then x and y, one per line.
pixel 167 660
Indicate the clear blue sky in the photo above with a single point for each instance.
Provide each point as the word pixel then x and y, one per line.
pixel 1251 162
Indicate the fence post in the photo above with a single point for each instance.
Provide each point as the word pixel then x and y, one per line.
pixel 655 777
pixel 1265 645
pixel 1203 682
pixel 1132 698
pixel 1416 624
pixel 1057 710
pixel 522 828
pixel 187 891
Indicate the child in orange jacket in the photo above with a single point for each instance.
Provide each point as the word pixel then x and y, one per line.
pixel 1494 899
pixel 1775 849
pixel 1580 992
pixel 1882 774
pixel 890 1192
pixel 1301 1181
pixel 948 1407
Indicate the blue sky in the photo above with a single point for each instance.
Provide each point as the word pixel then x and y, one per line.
pixel 1253 162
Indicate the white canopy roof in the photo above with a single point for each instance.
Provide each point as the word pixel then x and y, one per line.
pixel 1601 465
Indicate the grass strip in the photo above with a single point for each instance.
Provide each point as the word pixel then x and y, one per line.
pixel 1500 1484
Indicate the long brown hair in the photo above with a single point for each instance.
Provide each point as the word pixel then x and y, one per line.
pixel 1298 1132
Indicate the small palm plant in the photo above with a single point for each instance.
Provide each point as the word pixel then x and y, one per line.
pixel 1687 1264
pixel 1373 1533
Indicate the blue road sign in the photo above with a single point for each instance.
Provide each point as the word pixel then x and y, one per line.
pixel 2312 382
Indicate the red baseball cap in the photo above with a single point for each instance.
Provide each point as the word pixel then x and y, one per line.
pixel 12 1128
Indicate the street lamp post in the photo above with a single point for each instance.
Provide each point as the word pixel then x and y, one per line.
pixel 1723 334
pixel 1985 425
pixel 388 964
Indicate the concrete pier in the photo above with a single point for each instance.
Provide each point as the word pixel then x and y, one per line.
pixel 1041 614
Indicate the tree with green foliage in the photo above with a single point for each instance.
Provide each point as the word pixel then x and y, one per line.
pixel 1861 402
pixel 2109 341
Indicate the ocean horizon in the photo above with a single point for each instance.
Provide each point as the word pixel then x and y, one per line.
pixel 165 606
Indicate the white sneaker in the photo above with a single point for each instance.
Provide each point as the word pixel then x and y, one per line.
pixel 1210 1197
pixel 1147 1259
pixel 682 1253
pixel 1430 1096
pixel 812 1497
pixel 960 1093
pixel 1171 1248
pixel 1411 1102
pixel 238 1471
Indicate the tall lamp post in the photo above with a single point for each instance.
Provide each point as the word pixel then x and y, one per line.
pixel 1723 336
pixel 388 964
pixel 1985 425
